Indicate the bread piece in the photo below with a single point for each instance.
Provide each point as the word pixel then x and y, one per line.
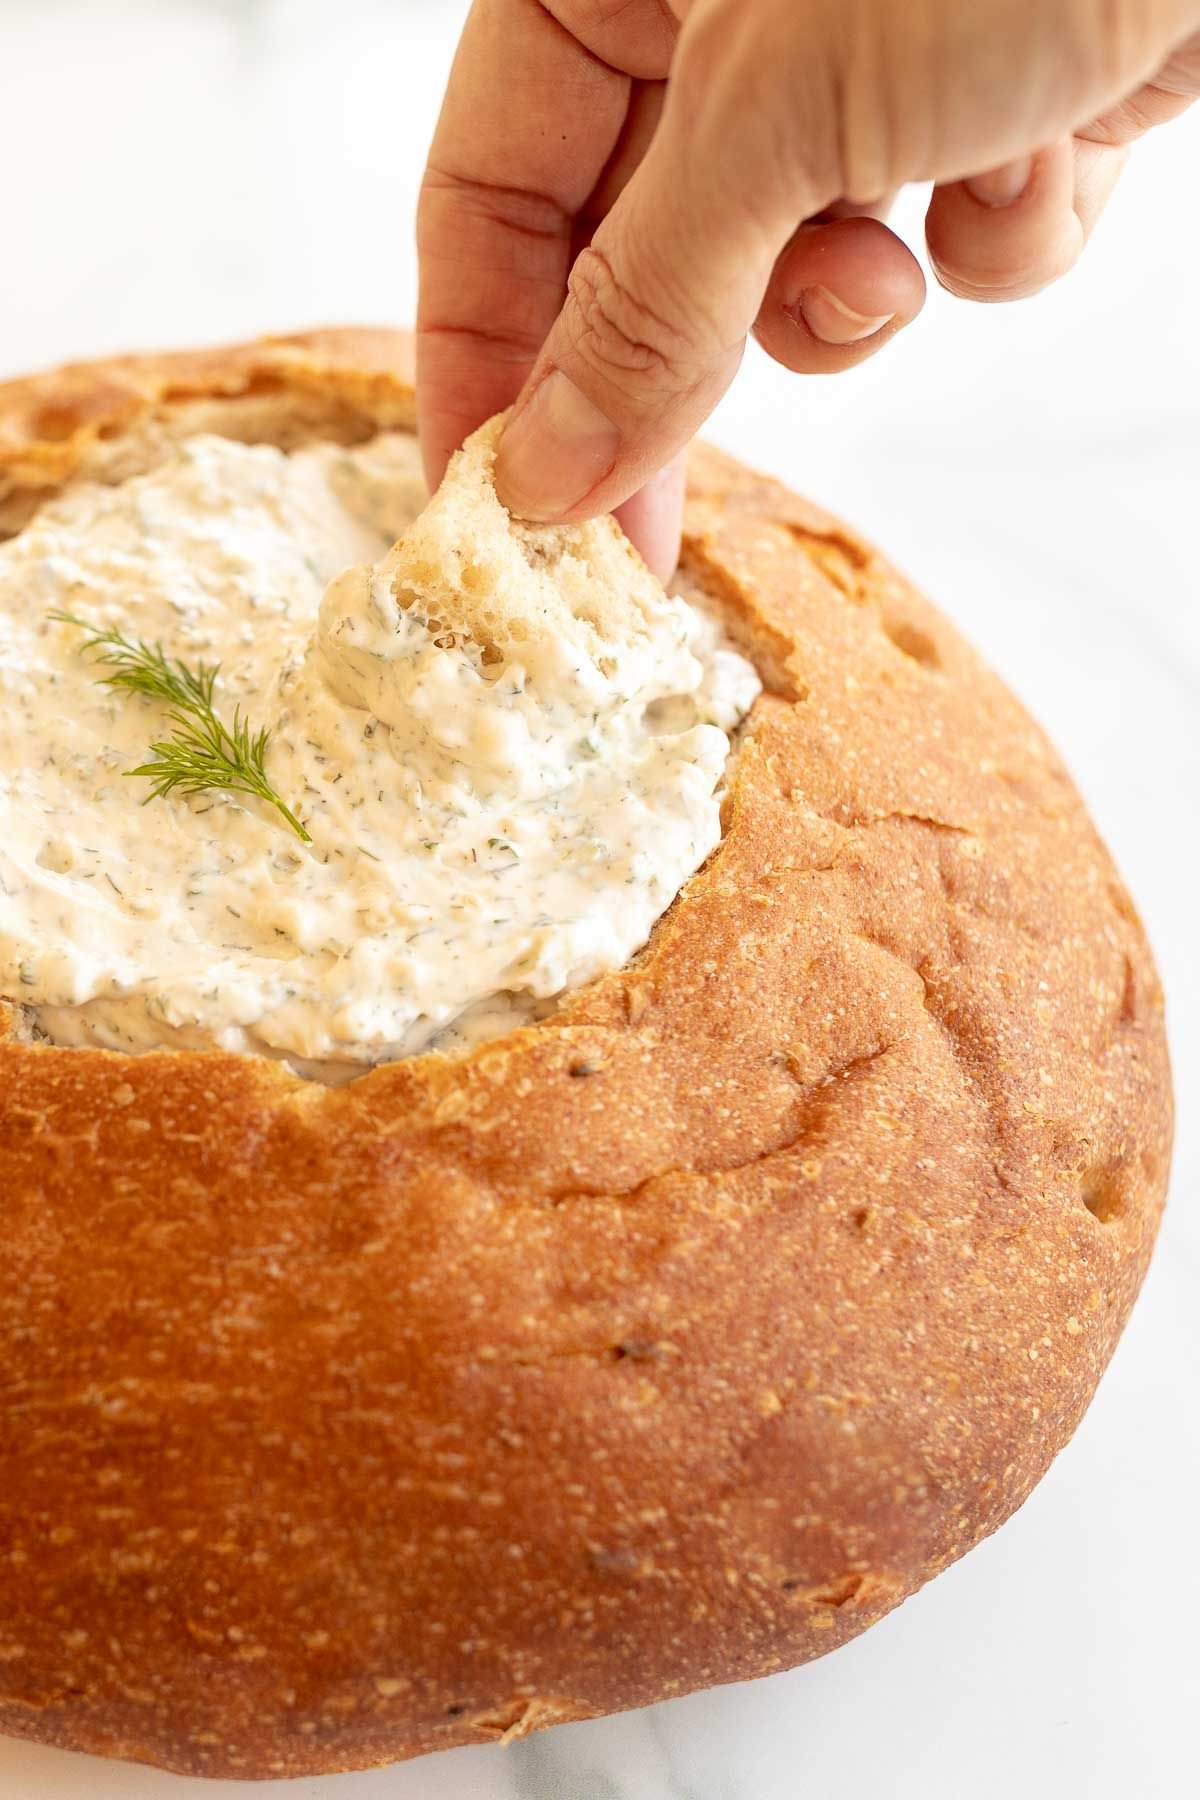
pixel 669 1342
pixel 504 583
pixel 575 606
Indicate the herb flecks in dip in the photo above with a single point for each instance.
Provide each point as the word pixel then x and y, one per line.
pixel 483 838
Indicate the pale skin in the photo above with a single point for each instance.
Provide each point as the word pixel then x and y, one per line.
pixel 620 192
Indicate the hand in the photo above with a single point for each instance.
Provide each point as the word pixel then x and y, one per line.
pixel 619 191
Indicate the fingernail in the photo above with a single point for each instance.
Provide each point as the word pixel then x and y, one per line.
pixel 1003 186
pixel 831 320
pixel 554 451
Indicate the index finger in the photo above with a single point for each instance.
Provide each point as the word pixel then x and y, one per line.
pixel 530 119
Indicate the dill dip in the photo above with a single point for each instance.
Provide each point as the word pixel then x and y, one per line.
pixel 479 845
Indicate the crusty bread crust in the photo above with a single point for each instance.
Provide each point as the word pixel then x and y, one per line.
pixel 666 1343
pixel 108 419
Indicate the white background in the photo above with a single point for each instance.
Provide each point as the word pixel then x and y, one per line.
pixel 184 170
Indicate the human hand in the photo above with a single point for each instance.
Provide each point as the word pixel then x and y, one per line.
pixel 620 191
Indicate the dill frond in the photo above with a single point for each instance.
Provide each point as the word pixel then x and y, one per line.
pixel 202 752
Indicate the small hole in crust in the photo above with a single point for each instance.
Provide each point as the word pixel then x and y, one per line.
pixel 839 559
pixel 1105 1193
pixel 1123 905
pixel 622 1559
pixel 912 642
pixel 638 1350
pixel 1131 998
pixel 838 1592
pixel 54 424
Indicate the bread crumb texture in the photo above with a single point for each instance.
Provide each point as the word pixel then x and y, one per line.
pixel 669 1342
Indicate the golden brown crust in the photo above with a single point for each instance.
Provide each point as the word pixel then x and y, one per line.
pixel 104 418
pixel 667 1343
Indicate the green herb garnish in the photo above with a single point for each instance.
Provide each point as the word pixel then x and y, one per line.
pixel 202 752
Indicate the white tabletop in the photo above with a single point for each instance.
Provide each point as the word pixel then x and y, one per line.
pixel 184 170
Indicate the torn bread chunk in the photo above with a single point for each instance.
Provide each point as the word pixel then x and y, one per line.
pixel 574 608
pixel 506 586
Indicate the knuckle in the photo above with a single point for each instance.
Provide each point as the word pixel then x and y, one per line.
pixel 472 201
pixel 581 16
pixel 1019 282
pixel 634 35
pixel 617 334
pixel 508 346
pixel 748 79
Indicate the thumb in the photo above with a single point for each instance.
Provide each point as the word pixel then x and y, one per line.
pixel 658 309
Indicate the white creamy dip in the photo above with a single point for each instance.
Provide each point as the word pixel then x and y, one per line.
pixel 480 842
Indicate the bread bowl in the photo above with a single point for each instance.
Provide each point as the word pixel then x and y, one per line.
pixel 670 1339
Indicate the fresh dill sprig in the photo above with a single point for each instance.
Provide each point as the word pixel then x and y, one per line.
pixel 202 752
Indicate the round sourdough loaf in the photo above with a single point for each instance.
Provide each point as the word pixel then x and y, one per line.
pixel 668 1342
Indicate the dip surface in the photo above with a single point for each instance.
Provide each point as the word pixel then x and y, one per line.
pixel 482 840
